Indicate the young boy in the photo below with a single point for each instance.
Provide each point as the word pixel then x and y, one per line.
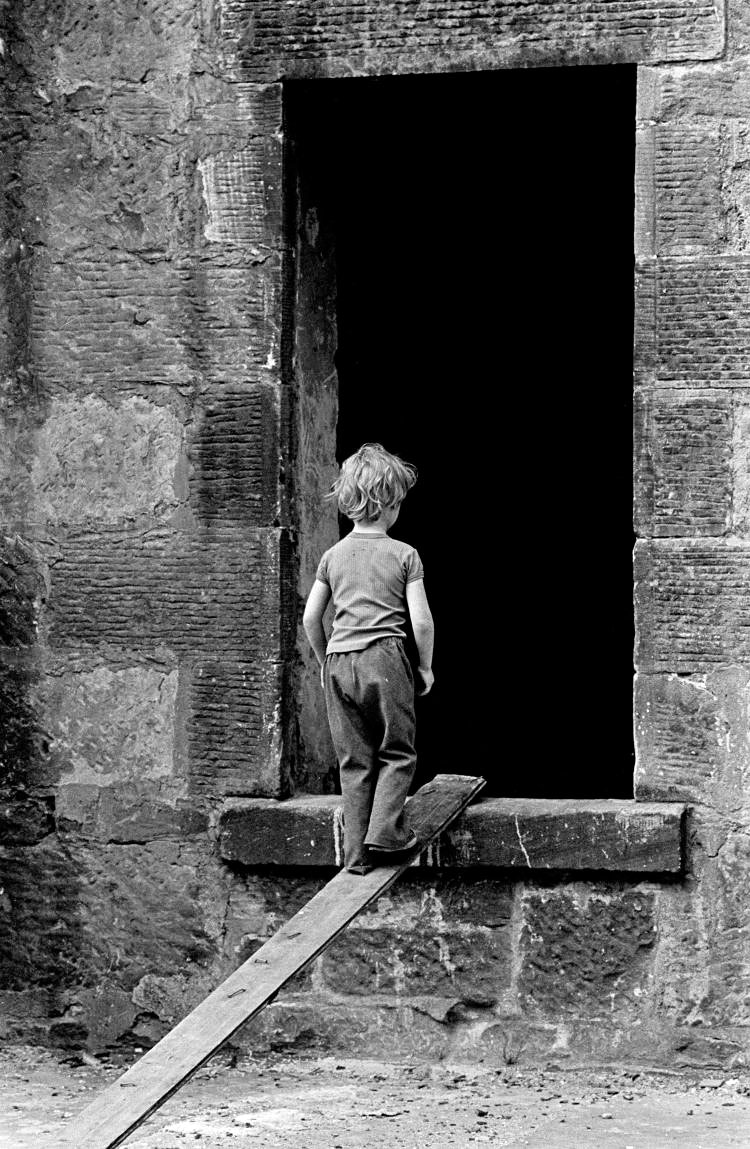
pixel 375 582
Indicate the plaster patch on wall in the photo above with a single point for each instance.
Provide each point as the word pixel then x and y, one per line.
pixel 110 727
pixel 105 463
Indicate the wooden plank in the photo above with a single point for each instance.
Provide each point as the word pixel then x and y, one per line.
pixel 124 1105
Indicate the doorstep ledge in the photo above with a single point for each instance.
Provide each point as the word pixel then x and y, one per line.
pixel 497 833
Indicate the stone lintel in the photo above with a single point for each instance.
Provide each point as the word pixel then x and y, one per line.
pixel 507 833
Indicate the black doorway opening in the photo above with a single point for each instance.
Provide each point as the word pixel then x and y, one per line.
pixel 481 227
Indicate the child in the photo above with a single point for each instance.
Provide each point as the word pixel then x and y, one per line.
pixel 368 680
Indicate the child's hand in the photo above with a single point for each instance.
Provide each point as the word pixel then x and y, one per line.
pixel 322 676
pixel 428 679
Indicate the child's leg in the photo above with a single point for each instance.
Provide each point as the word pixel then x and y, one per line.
pixel 356 751
pixel 397 758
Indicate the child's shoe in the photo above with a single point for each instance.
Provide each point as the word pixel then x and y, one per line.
pixel 384 855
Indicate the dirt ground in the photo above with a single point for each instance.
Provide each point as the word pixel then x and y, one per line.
pixel 280 1102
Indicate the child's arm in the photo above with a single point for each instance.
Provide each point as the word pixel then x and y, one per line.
pixel 312 619
pixel 424 630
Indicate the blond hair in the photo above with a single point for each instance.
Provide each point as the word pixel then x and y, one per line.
pixel 372 480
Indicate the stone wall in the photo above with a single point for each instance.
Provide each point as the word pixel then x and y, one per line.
pixel 146 580
pixel 156 439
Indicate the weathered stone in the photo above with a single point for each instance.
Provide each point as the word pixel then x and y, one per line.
pixel 66 913
pixel 25 820
pixel 344 39
pixel 143 903
pixel 691 603
pixel 498 832
pixel 26 1003
pixel 680 188
pixel 234 451
pixel 42 941
pixel 235 730
pixel 472 963
pixel 317 1024
pixel 106 464
pixel 173 997
pixel 211 592
pixel 23 590
pixel 586 951
pixel 106 1012
pixel 109 727
pixel 741 470
pixel 689 329
pixel 701 969
pixel 683 454
pixel 122 813
pixel 168 397
pixel 692 738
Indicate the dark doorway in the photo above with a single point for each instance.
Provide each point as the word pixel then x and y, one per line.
pixel 482 231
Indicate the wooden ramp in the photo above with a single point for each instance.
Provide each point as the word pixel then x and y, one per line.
pixel 124 1105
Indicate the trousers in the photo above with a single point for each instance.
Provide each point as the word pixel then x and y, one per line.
pixel 370 704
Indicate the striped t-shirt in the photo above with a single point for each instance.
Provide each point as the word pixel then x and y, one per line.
pixel 367 576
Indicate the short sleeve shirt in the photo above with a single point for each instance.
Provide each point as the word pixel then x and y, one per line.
pixel 367 576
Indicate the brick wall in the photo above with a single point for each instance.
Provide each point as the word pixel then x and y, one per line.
pixel 154 449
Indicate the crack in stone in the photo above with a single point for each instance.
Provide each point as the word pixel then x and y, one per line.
pixel 520 842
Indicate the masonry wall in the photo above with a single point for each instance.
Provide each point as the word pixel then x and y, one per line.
pixel 155 441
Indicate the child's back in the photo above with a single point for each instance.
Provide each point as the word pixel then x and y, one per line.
pixel 375 582
pixel 368 575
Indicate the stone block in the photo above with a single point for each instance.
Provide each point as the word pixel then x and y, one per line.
pixel 234 452
pixel 24 761
pixel 117 46
pixel 25 820
pixel 683 476
pixel 42 942
pixel 128 813
pixel 27 1003
pixel 235 728
pixel 23 590
pixel 687 188
pixel 125 322
pixel 24 585
pixel 741 468
pixel 717 90
pixel 144 904
pixel 340 38
pixel 497 832
pixel 109 727
pixel 430 943
pixel 679 188
pixel 690 329
pixel 317 1024
pixel 692 609
pixel 77 914
pixel 114 464
pixel 100 180
pixel 106 1013
pixel 586 951
pixel 242 195
pixel 210 591
pixel 701 963
pixel 160 1002
pixel 259 904
pixel 472 963
pixel 692 737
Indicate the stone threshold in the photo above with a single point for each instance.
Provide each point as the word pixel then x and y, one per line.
pixel 497 833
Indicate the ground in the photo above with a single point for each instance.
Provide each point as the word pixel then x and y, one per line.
pixel 283 1102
